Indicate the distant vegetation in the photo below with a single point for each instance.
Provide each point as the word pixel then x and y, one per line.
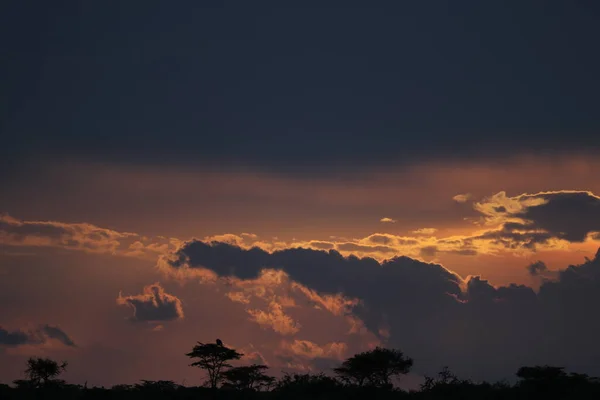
pixel 367 375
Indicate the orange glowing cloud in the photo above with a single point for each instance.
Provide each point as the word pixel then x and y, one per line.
pixel 276 319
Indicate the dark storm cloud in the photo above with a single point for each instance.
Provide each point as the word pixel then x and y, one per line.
pixel 153 305
pixel 478 288
pixel 434 316
pixel 239 85
pixel 324 271
pixel 400 286
pixel 40 335
pixel 567 215
pixel 569 304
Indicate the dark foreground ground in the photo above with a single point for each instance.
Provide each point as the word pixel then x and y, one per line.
pixel 573 388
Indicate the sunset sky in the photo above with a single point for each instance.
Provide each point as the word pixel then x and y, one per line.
pixel 304 181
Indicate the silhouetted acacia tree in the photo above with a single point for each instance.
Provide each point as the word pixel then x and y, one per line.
pixel 40 371
pixel 250 377
pixel 375 367
pixel 214 359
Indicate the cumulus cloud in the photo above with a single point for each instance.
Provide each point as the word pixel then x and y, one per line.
pixel 327 272
pixel 388 220
pixel 377 285
pixel 153 305
pixel 430 312
pixel 40 335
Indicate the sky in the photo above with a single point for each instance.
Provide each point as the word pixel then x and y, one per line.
pixel 302 180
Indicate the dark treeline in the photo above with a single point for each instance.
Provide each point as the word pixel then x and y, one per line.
pixel 371 374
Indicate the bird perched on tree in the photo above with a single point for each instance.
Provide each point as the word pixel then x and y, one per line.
pixel 219 342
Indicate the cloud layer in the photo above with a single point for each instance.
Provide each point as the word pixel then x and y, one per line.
pixel 80 236
pixel 522 223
